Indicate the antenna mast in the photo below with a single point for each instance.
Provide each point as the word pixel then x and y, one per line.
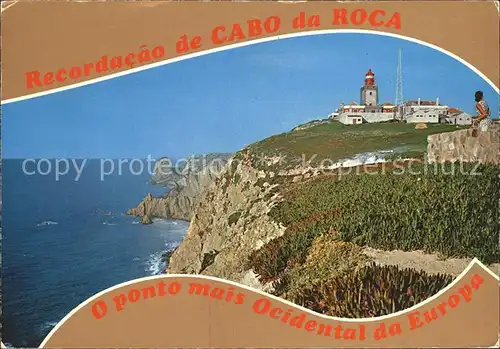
pixel 399 81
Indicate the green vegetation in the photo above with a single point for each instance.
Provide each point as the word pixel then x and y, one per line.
pixel 371 291
pixel 319 261
pixel 326 258
pixel 336 141
pixel 422 207
pixel 271 261
pixel 234 217
pixel 208 259
pixel 246 186
pixel 236 178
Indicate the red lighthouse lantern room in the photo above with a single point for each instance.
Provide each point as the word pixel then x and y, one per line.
pixel 369 78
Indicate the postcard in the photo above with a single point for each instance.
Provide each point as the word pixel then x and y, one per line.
pixel 227 174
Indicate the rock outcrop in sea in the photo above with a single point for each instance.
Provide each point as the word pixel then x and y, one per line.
pixel 184 182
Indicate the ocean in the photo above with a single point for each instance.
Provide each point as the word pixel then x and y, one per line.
pixel 65 240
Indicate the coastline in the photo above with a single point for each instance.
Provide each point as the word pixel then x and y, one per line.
pixel 229 218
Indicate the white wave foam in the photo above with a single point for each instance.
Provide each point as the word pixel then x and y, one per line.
pixel 46 223
pixel 50 324
pixel 161 221
pixel 171 245
pixel 156 263
pixel 47 326
pixel 108 223
pixel 136 222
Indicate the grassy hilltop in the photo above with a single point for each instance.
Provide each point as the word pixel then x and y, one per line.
pixel 336 141
pixel 330 219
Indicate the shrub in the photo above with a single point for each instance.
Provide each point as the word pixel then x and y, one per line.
pixel 236 178
pixel 280 254
pixel 283 252
pixel 371 291
pixel 246 186
pixel 234 217
pixel 208 259
pixel 455 215
pixel 326 258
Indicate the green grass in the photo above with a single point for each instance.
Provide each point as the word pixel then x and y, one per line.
pixel 456 215
pixel 336 141
pixel 318 261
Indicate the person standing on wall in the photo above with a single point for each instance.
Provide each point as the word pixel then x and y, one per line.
pixel 483 113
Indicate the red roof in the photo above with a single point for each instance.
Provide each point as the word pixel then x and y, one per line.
pixel 454 110
pixel 369 72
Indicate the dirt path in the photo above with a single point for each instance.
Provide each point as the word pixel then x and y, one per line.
pixel 419 260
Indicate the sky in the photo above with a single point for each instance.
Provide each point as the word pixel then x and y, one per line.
pixel 223 101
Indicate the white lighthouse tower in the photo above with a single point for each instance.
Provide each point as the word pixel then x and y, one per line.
pixel 369 92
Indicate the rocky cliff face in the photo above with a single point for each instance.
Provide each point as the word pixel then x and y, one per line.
pixel 464 146
pixel 231 218
pixel 185 183
pixel 230 222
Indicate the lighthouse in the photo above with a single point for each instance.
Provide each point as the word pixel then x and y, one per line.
pixel 369 92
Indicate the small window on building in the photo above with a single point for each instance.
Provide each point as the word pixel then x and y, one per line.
pixel 370 93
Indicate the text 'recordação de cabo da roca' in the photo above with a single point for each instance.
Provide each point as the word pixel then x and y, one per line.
pixel 252 29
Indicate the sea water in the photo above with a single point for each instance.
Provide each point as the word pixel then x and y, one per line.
pixel 64 241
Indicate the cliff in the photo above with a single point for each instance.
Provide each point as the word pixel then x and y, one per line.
pixel 185 183
pixel 234 216
pixel 464 146
pixel 231 222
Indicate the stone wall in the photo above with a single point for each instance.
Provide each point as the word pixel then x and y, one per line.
pixel 463 146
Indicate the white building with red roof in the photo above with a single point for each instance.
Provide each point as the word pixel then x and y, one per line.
pixel 414 111
pixel 368 110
